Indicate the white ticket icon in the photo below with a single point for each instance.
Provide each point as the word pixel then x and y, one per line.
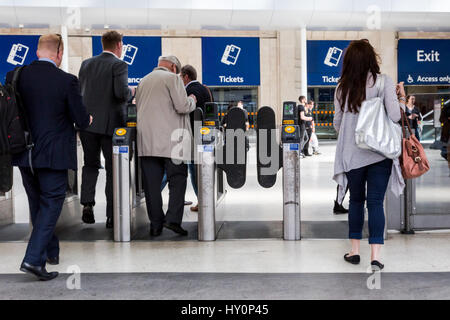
pixel 129 53
pixel 230 55
pixel 18 54
pixel 333 57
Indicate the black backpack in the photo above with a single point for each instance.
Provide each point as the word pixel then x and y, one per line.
pixel 15 134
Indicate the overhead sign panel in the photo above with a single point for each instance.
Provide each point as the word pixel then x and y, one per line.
pixel 16 51
pixel 230 61
pixel 325 61
pixel 140 53
pixel 424 61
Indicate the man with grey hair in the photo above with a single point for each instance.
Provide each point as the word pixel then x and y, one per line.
pixel 164 141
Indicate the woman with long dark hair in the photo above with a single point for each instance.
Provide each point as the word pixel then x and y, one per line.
pixel 356 167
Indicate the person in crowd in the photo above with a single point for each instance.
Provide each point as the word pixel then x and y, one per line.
pixel 355 166
pixel 413 114
pixel 445 132
pixel 104 86
pixel 308 126
pixel 164 140
pixel 314 142
pixel 239 104
pixel 203 95
pixel 53 105
pixel 302 118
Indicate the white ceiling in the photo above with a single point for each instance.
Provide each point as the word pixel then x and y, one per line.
pixel 422 15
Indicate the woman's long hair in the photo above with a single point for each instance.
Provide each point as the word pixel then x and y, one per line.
pixel 360 58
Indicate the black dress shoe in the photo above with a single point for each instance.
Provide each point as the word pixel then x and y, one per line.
pixel 187 203
pixel 355 259
pixel 53 261
pixel 88 215
pixel 376 265
pixel 39 272
pixel 338 208
pixel 109 223
pixel 155 232
pixel 176 228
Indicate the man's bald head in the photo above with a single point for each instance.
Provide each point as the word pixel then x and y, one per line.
pixel 51 46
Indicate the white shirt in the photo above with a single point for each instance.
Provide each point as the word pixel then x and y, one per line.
pixel 190 83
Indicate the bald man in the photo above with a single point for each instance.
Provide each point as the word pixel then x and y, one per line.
pixel 53 105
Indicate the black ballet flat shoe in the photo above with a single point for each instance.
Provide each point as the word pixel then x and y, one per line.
pixel 355 259
pixel 376 265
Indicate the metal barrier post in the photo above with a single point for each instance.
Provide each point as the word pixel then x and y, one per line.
pixel 206 197
pixel 291 191
pixel 290 137
pixel 122 191
pixel 410 205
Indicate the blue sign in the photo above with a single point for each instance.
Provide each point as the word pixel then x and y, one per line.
pixel 16 51
pixel 424 61
pixel 140 53
pixel 230 61
pixel 325 61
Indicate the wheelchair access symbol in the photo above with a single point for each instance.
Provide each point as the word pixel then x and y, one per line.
pixel 128 53
pixel 230 54
pixel 333 57
pixel 18 54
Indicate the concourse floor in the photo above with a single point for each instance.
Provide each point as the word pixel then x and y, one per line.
pixel 416 267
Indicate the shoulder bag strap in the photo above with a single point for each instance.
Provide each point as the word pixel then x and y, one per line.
pixel 210 94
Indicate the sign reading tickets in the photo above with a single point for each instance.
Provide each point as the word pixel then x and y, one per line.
pixel 325 61
pixel 230 61
pixel 16 51
pixel 140 53
pixel 424 61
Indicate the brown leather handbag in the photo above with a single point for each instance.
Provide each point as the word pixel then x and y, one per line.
pixel 413 160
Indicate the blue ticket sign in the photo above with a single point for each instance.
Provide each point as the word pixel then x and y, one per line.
pixel 325 61
pixel 140 53
pixel 424 61
pixel 230 61
pixel 16 51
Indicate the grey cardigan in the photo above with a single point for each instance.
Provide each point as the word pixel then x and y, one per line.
pixel 348 155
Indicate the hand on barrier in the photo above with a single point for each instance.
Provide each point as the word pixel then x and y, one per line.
pixel 90 119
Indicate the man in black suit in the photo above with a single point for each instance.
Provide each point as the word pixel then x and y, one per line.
pixel 52 104
pixel 104 86
pixel 203 95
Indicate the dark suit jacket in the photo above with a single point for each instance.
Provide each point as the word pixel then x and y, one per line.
pixel 53 104
pixel 202 95
pixel 104 87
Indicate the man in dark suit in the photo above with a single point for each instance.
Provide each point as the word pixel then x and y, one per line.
pixel 52 104
pixel 203 95
pixel 104 86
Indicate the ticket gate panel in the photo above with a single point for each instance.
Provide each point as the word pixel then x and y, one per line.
pixel 234 160
pixel 268 150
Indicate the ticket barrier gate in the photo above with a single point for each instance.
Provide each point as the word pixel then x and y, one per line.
pixel 232 154
pixel 127 183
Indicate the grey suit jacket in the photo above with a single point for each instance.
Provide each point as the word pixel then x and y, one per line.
pixel 104 87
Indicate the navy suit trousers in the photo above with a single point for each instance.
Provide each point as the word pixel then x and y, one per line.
pixel 46 191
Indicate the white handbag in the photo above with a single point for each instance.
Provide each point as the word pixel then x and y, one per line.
pixel 375 130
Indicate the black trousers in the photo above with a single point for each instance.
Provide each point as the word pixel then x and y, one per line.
pixel 93 144
pixel 153 171
pixel 46 191
pixel 305 149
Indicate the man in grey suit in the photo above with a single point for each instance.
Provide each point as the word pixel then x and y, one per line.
pixel 104 86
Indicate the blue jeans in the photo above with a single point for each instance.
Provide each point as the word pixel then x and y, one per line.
pixel 192 173
pixel 377 178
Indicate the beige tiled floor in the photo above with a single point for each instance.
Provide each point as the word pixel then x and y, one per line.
pixel 429 252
